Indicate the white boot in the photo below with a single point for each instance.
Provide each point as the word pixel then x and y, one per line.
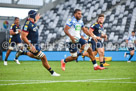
pixel 5 63
pixel 55 74
pixel 17 61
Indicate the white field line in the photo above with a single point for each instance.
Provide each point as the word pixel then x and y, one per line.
pixel 67 80
pixel 45 81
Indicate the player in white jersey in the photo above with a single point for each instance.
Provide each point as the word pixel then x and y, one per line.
pixel 72 30
pixel 131 41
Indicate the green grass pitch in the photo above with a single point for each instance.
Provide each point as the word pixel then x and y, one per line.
pixel 32 76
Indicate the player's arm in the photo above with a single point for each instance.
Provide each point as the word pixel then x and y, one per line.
pixel 11 32
pixel 83 37
pixel 89 33
pixel 68 34
pixel 24 38
pixel 37 17
pixel 127 41
pixel 104 36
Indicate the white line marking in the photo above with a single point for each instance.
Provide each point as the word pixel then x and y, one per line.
pixel 70 80
pixel 45 81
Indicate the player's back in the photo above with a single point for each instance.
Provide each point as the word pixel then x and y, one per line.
pixel 32 30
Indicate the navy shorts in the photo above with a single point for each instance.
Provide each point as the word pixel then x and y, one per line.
pixel 131 48
pixel 95 45
pixel 14 41
pixel 73 47
pixel 38 49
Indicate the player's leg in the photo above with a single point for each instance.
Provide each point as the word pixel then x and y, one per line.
pixel 7 54
pixel 40 55
pixel 101 55
pixel 68 59
pixel 104 63
pixel 86 47
pixel 128 53
pixel 11 47
pixel 131 55
pixel 19 48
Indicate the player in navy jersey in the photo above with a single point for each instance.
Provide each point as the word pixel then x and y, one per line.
pixel 29 35
pixel 98 47
pixel 131 41
pixel 72 30
pixel 15 40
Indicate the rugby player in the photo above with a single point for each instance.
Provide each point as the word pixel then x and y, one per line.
pixel 72 30
pixel 131 41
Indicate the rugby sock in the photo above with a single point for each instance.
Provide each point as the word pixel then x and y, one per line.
pixel 94 63
pixel 24 53
pixel 127 53
pixel 101 64
pixel 65 61
pixel 130 57
pixel 5 59
pixel 79 54
pixel 50 70
pixel 103 60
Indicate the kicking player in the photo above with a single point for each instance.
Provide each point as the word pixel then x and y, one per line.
pixel 131 41
pixel 72 30
pixel 29 35
pixel 98 47
pixel 14 40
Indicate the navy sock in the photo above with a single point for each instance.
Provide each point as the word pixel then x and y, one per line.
pixel 127 53
pixel 50 70
pixel 24 53
pixel 101 64
pixel 94 62
pixel 103 60
pixel 79 54
pixel 65 61
pixel 5 59
pixel 130 57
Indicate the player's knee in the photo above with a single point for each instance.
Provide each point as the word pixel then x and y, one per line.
pixel 74 58
pixel 74 54
pixel 101 53
pixel 86 47
pixel 40 55
pixel 132 54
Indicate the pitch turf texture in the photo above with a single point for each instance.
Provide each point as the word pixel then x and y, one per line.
pixel 31 76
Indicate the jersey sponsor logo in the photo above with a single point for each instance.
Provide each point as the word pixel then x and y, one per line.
pixel 25 28
pixel 35 29
pixel 78 27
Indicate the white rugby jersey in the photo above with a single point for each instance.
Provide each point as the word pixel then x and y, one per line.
pixel 131 40
pixel 75 27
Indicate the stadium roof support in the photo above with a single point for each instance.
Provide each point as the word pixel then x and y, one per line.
pixel 15 5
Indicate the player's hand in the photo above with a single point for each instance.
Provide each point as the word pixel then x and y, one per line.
pixel 73 39
pixel 95 39
pixel 105 38
pixel 98 38
pixel 37 17
pixel 32 49
pixel 19 30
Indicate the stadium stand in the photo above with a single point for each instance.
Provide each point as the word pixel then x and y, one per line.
pixel 120 20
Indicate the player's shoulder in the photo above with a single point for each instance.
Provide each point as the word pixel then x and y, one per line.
pixel 94 25
pixel 12 25
pixel 27 22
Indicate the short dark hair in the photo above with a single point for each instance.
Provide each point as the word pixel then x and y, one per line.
pixel 76 10
pixel 16 18
pixel 100 15
pixel 133 31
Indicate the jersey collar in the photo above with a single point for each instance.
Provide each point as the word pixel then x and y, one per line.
pixel 29 20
